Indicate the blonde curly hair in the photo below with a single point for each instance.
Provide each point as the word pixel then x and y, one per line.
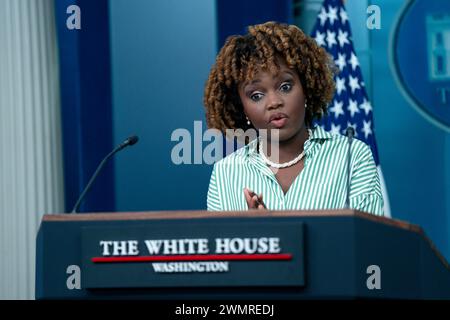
pixel 243 56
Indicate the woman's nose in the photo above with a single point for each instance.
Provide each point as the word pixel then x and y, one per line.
pixel 274 101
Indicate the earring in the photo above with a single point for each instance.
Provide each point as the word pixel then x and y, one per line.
pixel 248 121
pixel 306 105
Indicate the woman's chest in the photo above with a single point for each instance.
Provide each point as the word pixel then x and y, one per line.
pixel 287 176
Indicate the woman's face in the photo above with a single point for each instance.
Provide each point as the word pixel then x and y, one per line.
pixel 275 101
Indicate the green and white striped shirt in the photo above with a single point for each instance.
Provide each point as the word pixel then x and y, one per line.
pixel 322 184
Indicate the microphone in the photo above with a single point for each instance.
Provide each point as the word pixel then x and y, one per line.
pixel 350 132
pixel 128 142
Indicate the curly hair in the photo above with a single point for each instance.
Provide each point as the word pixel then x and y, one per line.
pixel 243 56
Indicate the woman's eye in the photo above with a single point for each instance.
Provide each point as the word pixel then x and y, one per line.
pixel 256 96
pixel 286 87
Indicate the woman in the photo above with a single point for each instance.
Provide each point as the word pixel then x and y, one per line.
pixel 277 80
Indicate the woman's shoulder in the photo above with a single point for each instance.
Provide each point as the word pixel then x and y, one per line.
pixel 339 143
pixel 239 156
pixel 342 140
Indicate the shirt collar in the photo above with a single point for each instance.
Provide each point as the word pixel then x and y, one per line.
pixel 319 133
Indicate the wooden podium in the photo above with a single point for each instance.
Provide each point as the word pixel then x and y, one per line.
pixel 341 254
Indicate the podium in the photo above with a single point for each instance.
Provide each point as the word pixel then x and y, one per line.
pixel 186 255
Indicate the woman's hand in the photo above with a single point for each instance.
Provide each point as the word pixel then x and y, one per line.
pixel 253 200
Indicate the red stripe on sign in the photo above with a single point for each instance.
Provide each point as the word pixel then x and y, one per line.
pixel 198 257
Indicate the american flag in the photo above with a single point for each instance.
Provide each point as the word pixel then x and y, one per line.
pixel 350 105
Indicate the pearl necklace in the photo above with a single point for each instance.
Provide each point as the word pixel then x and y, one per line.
pixel 282 165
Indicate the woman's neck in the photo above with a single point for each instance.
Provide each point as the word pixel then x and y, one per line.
pixel 288 149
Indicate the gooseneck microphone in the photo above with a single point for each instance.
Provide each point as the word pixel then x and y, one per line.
pixel 350 132
pixel 128 142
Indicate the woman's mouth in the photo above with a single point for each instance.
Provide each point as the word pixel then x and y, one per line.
pixel 278 120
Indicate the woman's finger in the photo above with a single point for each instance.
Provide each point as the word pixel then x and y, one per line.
pixel 261 201
pixel 248 198
pixel 247 195
pixel 255 202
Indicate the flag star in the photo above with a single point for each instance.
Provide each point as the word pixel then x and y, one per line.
pixel 340 62
pixel 367 129
pixel 353 108
pixel 353 83
pixel 331 39
pixel 353 61
pixel 320 39
pixel 335 129
pixel 342 38
pixel 344 16
pixel 332 14
pixel 337 108
pixel 340 85
pixel 366 106
pixel 323 16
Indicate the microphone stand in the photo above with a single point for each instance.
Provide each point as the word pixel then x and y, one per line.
pixel 128 142
pixel 349 132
